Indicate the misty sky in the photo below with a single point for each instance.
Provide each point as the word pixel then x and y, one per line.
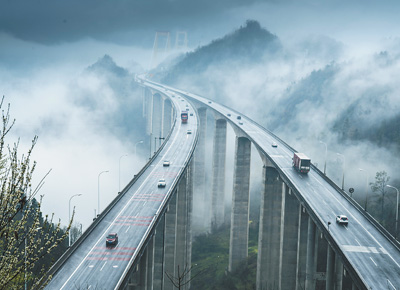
pixel 134 22
pixel 46 44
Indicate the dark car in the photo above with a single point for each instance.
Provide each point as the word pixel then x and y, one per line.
pixel 239 117
pixel 112 239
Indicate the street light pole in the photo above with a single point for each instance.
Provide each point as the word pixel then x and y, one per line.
pixel 326 152
pixel 119 173
pixel 397 209
pixel 69 217
pixel 139 142
pixel 344 160
pixel 98 191
pixel 366 190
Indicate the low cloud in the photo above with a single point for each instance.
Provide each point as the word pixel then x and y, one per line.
pixel 76 142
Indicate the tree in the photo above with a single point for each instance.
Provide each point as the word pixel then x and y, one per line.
pixel 183 278
pixel 25 237
pixel 379 187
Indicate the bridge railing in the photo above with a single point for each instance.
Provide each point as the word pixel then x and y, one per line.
pixel 322 226
pixel 366 214
pixel 150 230
pixel 60 262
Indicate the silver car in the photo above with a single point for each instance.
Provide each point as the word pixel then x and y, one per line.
pixel 342 220
pixel 162 183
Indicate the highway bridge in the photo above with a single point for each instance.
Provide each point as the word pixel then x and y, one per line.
pixel 300 245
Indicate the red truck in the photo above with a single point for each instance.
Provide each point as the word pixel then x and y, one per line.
pixel 301 162
pixel 184 116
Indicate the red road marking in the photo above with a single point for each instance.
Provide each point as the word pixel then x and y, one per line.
pixel 107 259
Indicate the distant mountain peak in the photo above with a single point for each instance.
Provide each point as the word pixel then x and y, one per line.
pixel 246 45
pixel 107 65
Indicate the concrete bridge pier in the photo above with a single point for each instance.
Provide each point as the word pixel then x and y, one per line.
pixel 177 237
pixel 338 283
pixel 269 241
pixel 238 249
pixel 143 269
pixel 289 237
pixel 169 242
pixel 311 264
pixel 181 230
pixel 148 110
pixel 157 119
pixel 138 278
pixel 144 91
pixel 189 235
pixel 301 249
pixel 158 271
pixel 201 194
pixel 218 175
pixel 330 269
pixel 150 263
pixel 167 114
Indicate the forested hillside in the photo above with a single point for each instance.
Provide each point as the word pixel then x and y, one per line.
pixel 294 89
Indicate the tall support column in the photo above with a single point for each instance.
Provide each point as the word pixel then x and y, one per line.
pixel 149 111
pixel 159 255
pixel 338 273
pixel 288 250
pixel 169 242
pixel 330 268
pixel 311 256
pixel 321 262
pixel 172 114
pixel 238 249
pixel 218 182
pixel 157 118
pixel 163 101
pixel 181 222
pixel 302 249
pixel 166 118
pixel 189 220
pixel 144 102
pixel 202 212
pixel 269 240
pixel 150 263
pixel 133 282
pixel 143 270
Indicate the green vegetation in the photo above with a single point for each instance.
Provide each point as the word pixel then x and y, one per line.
pixel 382 201
pixel 27 240
pixel 210 259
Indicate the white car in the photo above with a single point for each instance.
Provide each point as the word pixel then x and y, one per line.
pixel 274 145
pixel 166 163
pixel 162 183
pixel 342 219
pixel 189 132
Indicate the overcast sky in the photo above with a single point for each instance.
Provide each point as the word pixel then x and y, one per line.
pixel 134 22
pixel 46 44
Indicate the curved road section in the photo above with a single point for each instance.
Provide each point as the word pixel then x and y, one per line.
pixel 93 265
pixel 373 257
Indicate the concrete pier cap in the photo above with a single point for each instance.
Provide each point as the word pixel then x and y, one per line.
pixel 265 158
